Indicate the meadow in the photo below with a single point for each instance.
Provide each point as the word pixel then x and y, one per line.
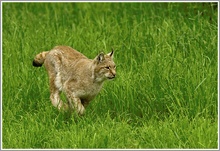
pixel 165 93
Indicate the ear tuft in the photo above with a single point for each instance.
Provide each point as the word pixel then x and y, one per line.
pixel 111 53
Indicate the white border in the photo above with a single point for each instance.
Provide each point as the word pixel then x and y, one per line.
pixel 109 1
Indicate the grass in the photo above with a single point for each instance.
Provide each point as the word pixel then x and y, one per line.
pixel 165 94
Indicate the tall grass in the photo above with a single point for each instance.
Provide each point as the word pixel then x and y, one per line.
pixel 164 96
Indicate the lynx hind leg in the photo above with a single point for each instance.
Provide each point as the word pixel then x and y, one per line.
pixel 52 64
pixel 55 91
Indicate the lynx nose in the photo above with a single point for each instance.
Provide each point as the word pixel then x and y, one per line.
pixel 113 73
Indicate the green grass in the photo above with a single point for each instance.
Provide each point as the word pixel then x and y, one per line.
pixel 165 94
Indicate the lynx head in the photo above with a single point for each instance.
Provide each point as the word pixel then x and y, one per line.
pixel 104 67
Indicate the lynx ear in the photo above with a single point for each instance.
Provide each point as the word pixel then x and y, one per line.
pixel 111 53
pixel 100 57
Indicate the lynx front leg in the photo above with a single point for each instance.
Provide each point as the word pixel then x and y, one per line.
pixel 75 103
pixel 78 106
pixel 85 102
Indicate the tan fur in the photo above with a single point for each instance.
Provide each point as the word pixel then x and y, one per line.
pixel 71 72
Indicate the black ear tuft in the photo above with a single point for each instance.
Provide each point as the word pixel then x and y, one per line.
pixel 111 53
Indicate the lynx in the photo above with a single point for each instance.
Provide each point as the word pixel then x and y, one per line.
pixel 78 77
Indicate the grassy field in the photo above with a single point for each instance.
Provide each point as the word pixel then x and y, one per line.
pixel 165 93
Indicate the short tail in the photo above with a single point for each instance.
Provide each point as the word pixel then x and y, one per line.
pixel 39 59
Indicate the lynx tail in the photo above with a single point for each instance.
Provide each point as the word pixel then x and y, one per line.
pixel 39 59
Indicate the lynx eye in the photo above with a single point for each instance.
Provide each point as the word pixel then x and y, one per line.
pixel 107 67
